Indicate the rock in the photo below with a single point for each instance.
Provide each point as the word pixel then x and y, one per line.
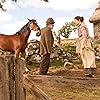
pixel 97 57
pixel 70 65
pixel 58 53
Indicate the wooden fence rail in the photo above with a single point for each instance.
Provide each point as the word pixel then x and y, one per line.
pixel 34 90
pixel 13 84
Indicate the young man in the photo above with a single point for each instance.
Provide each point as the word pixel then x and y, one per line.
pixel 46 44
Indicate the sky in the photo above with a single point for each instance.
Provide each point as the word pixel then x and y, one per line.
pixel 61 11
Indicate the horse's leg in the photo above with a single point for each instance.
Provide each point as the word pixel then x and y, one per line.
pixel 17 53
pixel 23 53
pixel 16 56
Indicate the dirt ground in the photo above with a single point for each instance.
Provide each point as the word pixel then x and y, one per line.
pixel 68 84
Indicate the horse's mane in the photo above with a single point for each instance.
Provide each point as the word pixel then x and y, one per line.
pixel 23 29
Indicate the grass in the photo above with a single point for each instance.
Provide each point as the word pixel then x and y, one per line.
pixel 60 91
pixel 57 63
pixel 67 93
pixel 72 91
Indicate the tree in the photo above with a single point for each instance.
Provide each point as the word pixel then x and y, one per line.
pixel 66 29
pixel 3 1
pixel 1 4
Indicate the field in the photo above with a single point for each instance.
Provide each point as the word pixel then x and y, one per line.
pixel 68 84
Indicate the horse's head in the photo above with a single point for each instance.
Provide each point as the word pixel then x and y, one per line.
pixel 33 25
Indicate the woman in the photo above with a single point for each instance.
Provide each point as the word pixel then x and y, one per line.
pixel 84 47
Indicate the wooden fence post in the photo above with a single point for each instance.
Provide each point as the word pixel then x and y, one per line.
pixel 11 78
pixel 6 78
pixel 19 70
pixel 13 83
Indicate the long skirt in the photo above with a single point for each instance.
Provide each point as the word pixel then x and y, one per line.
pixel 87 56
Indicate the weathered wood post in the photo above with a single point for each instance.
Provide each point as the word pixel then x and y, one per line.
pixel 6 78
pixel 13 82
pixel 20 66
pixel 11 88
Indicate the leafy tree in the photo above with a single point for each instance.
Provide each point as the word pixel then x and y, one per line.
pixel 66 29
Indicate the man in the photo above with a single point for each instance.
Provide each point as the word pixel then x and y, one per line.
pixel 46 44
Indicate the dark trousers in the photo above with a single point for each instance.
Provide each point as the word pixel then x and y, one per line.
pixel 44 64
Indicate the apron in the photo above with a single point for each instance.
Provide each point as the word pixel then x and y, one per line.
pixel 88 54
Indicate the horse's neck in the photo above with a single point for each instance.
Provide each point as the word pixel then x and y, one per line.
pixel 25 35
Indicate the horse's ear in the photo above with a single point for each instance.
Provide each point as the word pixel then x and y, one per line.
pixel 28 19
pixel 34 20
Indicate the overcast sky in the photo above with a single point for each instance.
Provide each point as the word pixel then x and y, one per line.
pixel 62 11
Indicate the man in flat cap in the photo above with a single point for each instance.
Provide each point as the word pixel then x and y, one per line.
pixel 46 44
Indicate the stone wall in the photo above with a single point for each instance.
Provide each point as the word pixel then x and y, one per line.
pixel 58 53
pixel 97 31
pixel 64 52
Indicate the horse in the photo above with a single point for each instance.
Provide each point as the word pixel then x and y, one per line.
pixel 17 42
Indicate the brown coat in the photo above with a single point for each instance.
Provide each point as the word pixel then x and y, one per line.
pixel 46 41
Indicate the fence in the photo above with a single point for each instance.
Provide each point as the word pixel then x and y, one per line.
pixel 13 84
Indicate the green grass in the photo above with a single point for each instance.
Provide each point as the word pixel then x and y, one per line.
pixel 57 63
pixel 67 93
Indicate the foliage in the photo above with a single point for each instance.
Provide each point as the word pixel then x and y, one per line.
pixel 3 1
pixel 57 63
pixel 41 0
pixel 1 5
pixel 14 0
pixel 45 0
pixel 66 29
pixel 69 47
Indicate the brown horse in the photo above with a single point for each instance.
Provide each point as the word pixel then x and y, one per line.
pixel 17 43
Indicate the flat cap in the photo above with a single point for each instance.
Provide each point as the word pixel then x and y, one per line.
pixel 50 21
